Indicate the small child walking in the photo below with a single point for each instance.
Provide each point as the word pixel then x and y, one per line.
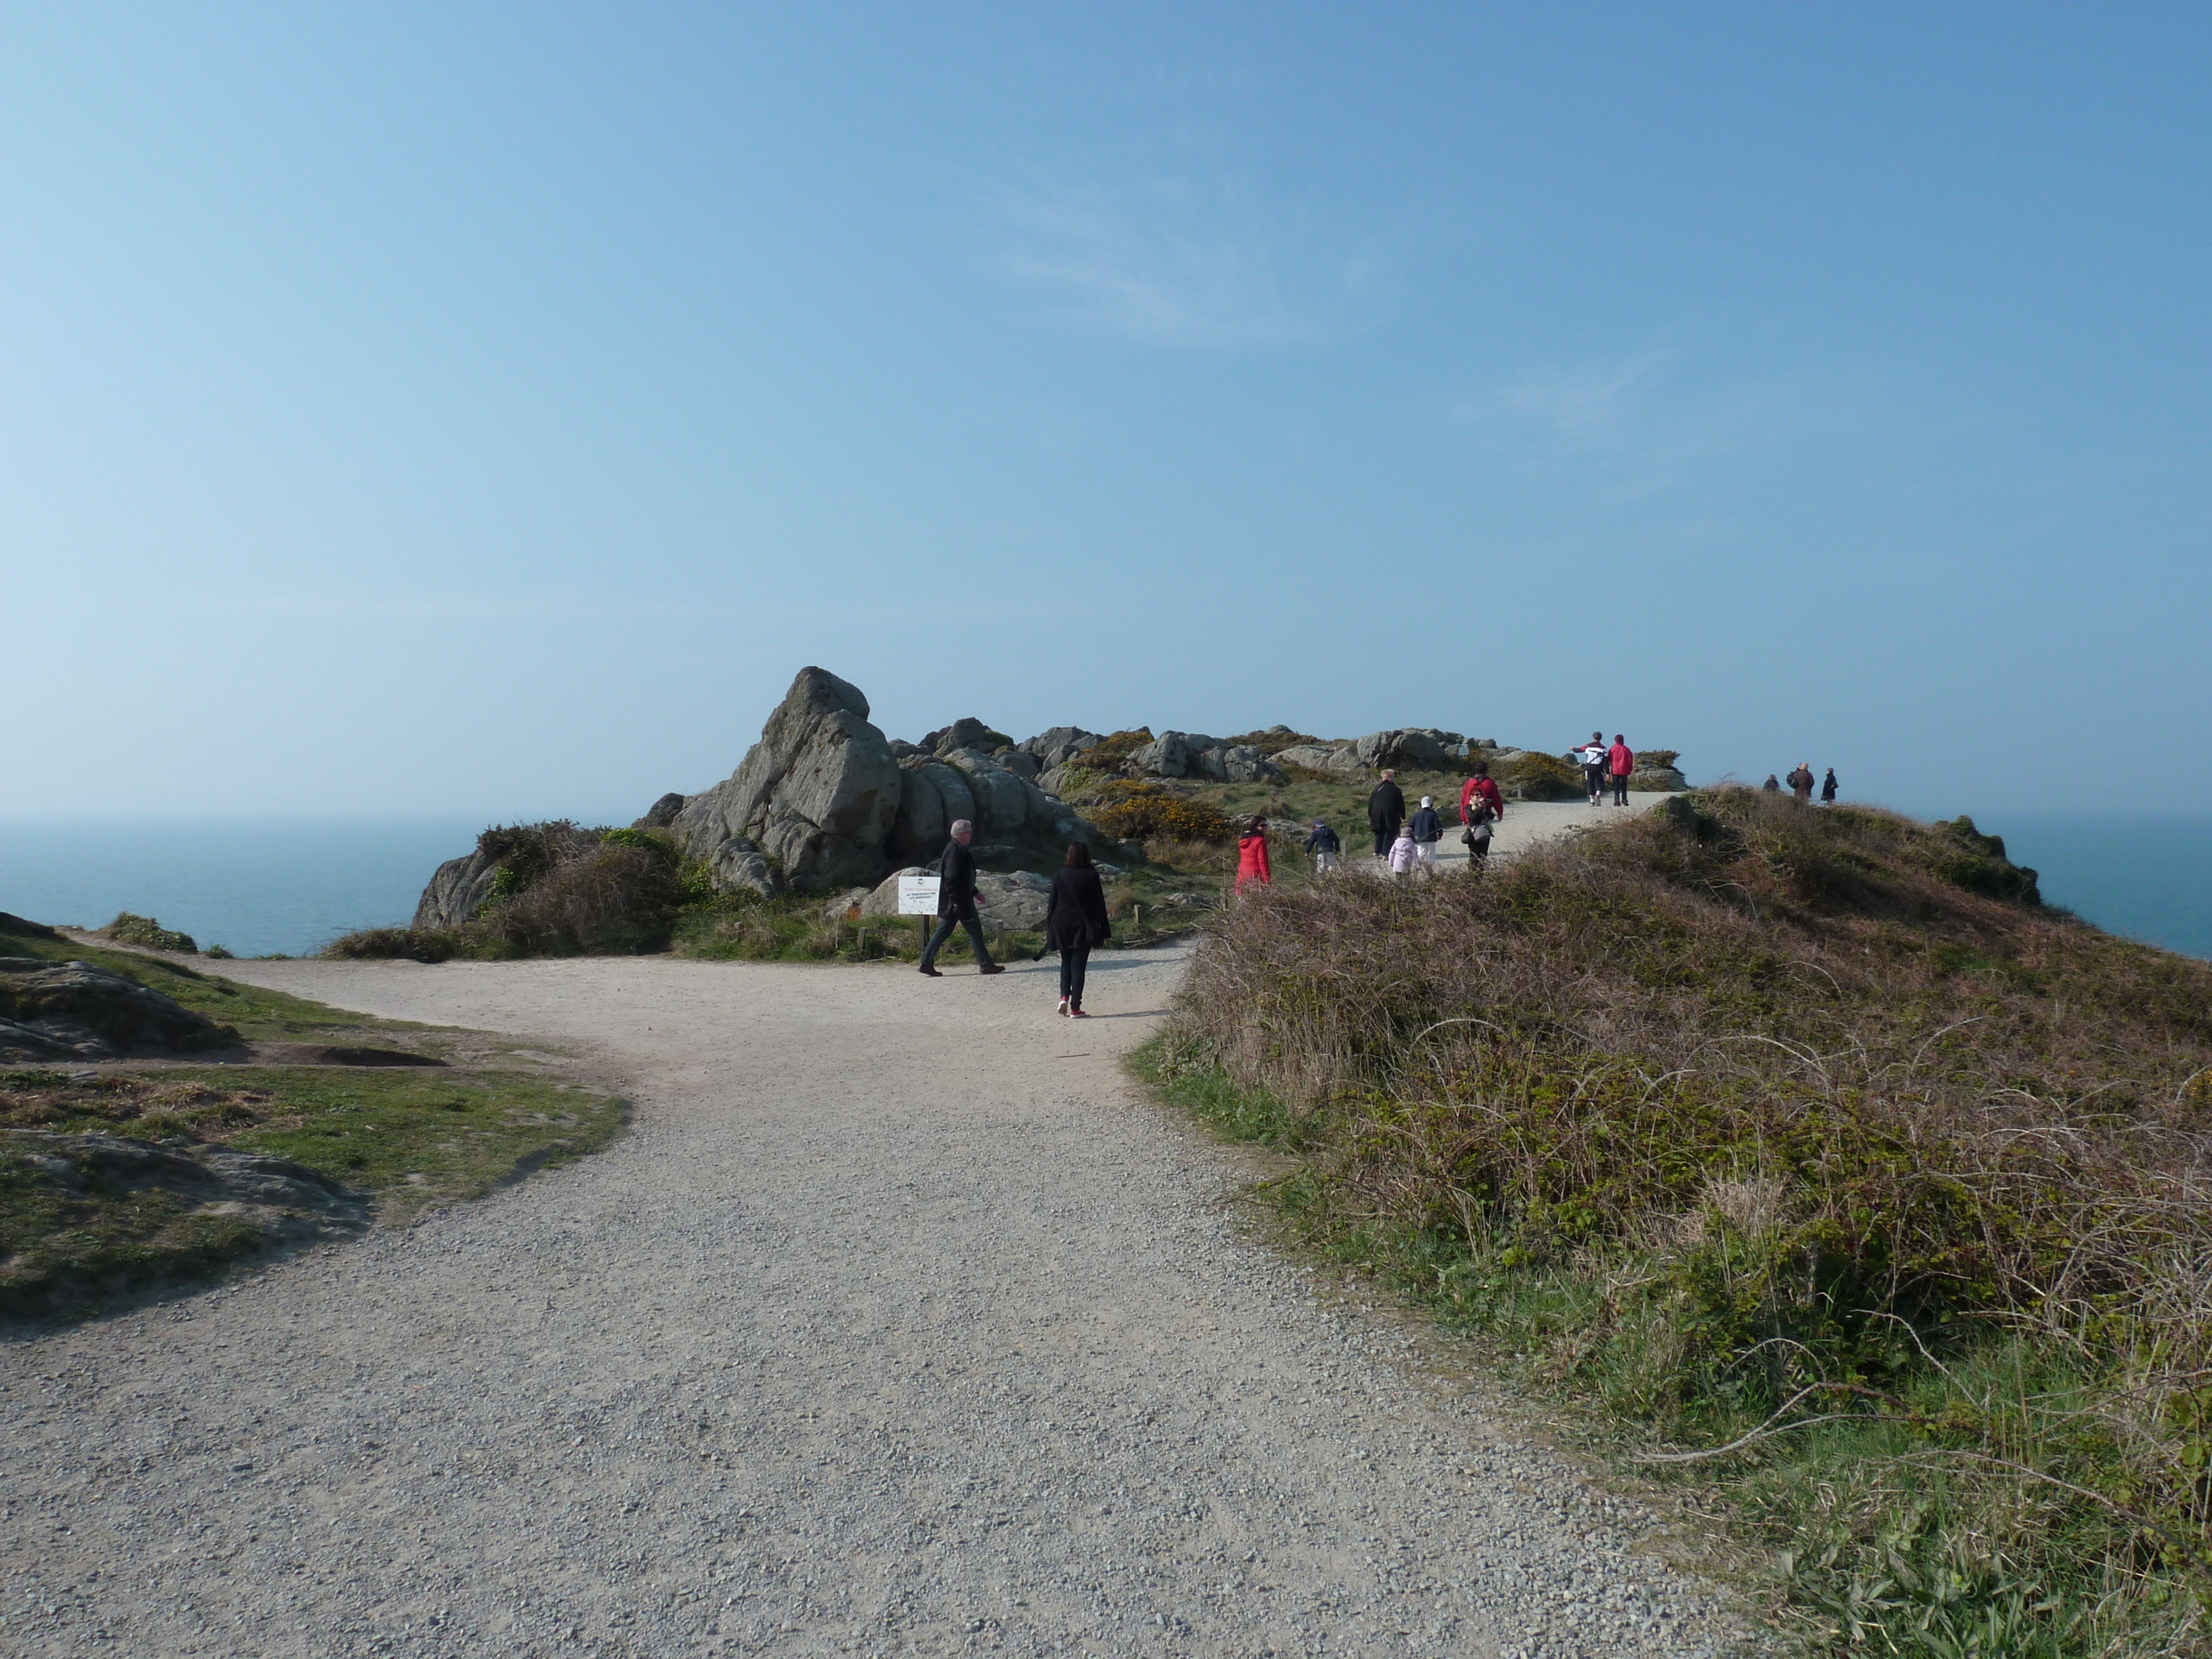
pixel 1325 847
pixel 1403 853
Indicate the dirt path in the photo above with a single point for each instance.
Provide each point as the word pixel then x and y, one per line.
pixel 899 1323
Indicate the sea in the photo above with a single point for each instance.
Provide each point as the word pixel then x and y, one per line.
pixel 277 887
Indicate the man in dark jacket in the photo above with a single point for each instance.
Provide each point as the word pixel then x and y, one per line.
pixel 1386 810
pixel 956 903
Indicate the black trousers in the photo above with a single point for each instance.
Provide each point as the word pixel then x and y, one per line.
pixel 1382 840
pixel 1073 959
pixel 1620 788
pixel 967 919
pixel 1594 782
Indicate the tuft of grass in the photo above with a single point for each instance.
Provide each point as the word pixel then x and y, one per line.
pixel 149 934
pixel 1811 1160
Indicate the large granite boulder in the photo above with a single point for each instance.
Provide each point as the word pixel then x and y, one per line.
pixel 818 793
pixel 662 813
pixel 458 890
pixel 1414 749
pixel 1335 757
pixel 1057 746
pixel 966 733
pixel 74 1010
pixel 1245 764
pixel 1176 755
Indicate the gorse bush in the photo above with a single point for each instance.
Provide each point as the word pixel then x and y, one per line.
pixel 1136 810
pixel 1794 1128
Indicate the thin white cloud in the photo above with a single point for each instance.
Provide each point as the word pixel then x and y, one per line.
pixel 1588 405
pixel 1164 263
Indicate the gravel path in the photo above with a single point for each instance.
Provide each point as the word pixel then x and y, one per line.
pixel 900 1324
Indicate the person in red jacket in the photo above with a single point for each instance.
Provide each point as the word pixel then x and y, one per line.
pixel 1483 785
pixel 1620 760
pixel 1252 855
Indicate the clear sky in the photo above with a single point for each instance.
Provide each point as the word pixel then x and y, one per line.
pixel 461 408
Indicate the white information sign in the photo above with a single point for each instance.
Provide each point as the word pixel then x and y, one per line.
pixel 918 895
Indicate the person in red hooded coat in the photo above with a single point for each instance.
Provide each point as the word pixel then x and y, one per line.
pixel 1252 855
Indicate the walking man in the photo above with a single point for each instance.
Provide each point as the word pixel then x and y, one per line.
pixel 1621 759
pixel 956 900
pixel 1386 810
pixel 1593 759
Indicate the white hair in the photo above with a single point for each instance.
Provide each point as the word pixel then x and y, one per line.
pixel 1428 800
pixel 958 824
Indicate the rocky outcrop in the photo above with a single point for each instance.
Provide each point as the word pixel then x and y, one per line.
pixel 1334 757
pixel 1657 777
pixel 1245 764
pixel 817 795
pixel 738 866
pixel 1061 744
pixel 662 813
pixel 74 1010
pixel 287 1199
pixel 458 890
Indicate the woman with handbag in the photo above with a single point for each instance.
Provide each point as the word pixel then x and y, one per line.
pixel 1075 923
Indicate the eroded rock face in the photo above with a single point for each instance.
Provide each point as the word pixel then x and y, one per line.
pixel 738 864
pixel 662 813
pixel 74 1010
pixel 1411 749
pixel 457 891
pixel 818 794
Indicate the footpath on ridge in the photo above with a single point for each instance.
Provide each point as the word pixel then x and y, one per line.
pixel 900 1322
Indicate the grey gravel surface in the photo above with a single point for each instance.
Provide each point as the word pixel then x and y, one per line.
pixel 899 1323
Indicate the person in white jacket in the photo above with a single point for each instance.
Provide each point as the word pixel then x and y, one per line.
pixel 1404 854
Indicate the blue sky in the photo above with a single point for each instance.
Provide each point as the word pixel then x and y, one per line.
pixel 481 410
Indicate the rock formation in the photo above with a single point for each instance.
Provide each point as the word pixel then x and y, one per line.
pixel 458 890
pixel 818 794
pixel 662 813
pixel 74 1010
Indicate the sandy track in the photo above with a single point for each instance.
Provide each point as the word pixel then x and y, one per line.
pixel 899 1323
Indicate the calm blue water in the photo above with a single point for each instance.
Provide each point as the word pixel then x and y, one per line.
pixel 256 888
pixel 260 887
pixel 2149 878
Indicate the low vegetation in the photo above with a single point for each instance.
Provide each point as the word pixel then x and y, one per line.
pixel 149 934
pixel 1811 1159
pixel 403 1137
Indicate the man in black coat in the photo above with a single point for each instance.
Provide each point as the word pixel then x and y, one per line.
pixel 956 903
pixel 1386 810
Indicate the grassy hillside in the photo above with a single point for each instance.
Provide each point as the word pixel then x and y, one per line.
pixel 1811 1159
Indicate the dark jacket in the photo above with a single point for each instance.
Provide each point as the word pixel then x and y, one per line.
pixel 1385 808
pixel 956 881
pixel 1323 840
pixel 1075 914
pixel 1427 826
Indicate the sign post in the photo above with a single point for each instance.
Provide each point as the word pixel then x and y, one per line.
pixel 918 899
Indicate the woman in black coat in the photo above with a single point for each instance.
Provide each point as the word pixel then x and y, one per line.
pixel 1075 923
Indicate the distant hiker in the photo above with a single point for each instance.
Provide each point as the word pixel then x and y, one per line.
pixel 1592 755
pixel 1483 785
pixel 1252 855
pixel 1620 760
pixel 1800 784
pixel 956 900
pixel 1427 829
pixel 1075 923
pixel 1772 784
pixel 1386 810
pixel 1829 788
pixel 1403 854
pixel 1324 847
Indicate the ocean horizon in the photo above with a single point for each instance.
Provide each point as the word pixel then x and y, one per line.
pixel 289 886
